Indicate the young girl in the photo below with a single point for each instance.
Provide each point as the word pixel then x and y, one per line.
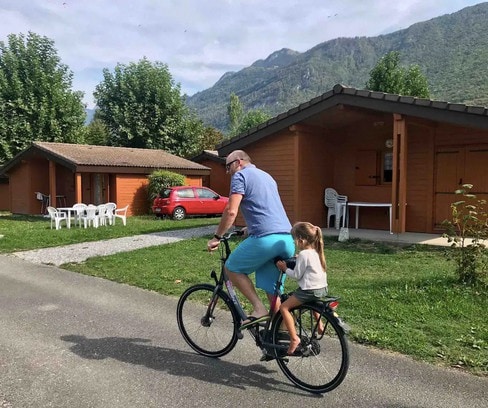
pixel 309 271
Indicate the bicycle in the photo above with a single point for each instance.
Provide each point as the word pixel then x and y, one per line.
pixel 210 319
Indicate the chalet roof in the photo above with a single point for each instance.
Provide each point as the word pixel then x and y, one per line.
pixel 212 155
pixel 452 113
pixel 79 157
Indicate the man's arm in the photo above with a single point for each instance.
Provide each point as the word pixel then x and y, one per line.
pixel 228 217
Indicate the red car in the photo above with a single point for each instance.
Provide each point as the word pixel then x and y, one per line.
pixel 180 201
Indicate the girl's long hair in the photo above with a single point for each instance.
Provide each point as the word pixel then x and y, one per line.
pixel 313 236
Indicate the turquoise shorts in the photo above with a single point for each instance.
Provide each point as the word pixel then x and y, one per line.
pixel 256 254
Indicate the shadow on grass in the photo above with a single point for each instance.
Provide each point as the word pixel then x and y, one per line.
pixel 374 247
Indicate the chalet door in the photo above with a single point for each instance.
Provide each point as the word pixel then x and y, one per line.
pixel 366 168
pixel 455 167
pixel 100 188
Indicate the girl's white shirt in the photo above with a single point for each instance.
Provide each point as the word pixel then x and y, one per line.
pixel 308 270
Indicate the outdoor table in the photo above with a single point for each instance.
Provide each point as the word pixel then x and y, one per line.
pixel 68 211
pixel 358 204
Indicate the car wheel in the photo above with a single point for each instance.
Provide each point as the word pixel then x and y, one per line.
pixel 179 213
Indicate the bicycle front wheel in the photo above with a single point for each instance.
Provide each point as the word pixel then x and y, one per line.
pixel 322 360
pixel 207 320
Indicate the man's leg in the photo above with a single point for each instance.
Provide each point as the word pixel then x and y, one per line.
pixel 277 302
pixel 246 287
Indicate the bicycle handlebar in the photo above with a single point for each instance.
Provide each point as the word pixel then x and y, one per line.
pixel 225 241
pixel 229 235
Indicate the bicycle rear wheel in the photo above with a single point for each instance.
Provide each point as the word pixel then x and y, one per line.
pixel 207 320
pixel 323 360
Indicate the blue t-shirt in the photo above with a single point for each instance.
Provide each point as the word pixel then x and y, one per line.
pixel 261 205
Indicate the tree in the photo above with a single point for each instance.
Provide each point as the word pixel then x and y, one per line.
pixel 388 76
pixel 240 122
pixel 235 112
pixel 96 133
pixel 160 179
pixel 209 138
pixel 252 119
pixel 36 100
pixel 142 107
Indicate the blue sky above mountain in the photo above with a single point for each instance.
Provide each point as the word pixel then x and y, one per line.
pixel 201 40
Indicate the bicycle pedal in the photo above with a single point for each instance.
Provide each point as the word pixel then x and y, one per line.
pixel 266 357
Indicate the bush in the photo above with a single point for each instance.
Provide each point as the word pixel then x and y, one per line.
pixel 159 179
pixel 467 232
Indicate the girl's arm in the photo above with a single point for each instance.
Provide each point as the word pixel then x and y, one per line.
pixel 295 273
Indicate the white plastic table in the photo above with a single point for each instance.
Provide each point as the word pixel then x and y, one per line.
pixel 358 204
pixel 68 211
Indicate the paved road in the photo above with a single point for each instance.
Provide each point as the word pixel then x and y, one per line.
pixel 68 340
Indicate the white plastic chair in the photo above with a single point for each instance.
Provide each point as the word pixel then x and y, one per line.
pixel 90 217
pixel 79 212
pixel 336 206
pixel 57 217
pixel 122 214
pixel 110 214
pixel 101 214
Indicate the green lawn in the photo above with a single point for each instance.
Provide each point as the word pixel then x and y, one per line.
pixel 31 232
pixel 403 299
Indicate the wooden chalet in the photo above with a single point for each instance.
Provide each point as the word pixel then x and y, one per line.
pixel 373 147
pixel 89 174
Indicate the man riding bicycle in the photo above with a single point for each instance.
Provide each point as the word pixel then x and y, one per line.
pixel 255 193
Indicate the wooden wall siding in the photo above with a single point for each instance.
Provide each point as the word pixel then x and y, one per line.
pixel 316 172
pixel 112 185
pixel 447 135
pixel 195 181
pixel 65 184
pixel 461 155
pixel 420 178
pixel 132 190
pixel 20 188
pixel 39 181
pixel 25 179
pixel 218 180
pixel 86 188
pixel 347 142
pixel 4 197
pixel 276 155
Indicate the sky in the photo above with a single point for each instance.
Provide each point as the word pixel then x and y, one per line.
pixel 200 40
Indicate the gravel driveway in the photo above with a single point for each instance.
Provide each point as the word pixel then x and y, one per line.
pixel 80 252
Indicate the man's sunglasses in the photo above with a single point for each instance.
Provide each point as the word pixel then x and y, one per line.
pixel 227 165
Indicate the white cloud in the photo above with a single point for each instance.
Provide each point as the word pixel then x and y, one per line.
pixel 201 40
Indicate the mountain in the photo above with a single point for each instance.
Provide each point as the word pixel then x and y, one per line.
pixel 90 113
pixel 451 51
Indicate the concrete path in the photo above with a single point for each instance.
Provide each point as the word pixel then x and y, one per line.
pixel 385 236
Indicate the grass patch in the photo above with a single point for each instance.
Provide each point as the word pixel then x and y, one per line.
pixel 400 298
pixel 22 232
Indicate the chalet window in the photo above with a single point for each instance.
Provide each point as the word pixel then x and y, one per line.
pixel 387 168
pixel 373 167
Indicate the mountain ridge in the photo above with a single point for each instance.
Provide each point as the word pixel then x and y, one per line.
pixel 451 51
